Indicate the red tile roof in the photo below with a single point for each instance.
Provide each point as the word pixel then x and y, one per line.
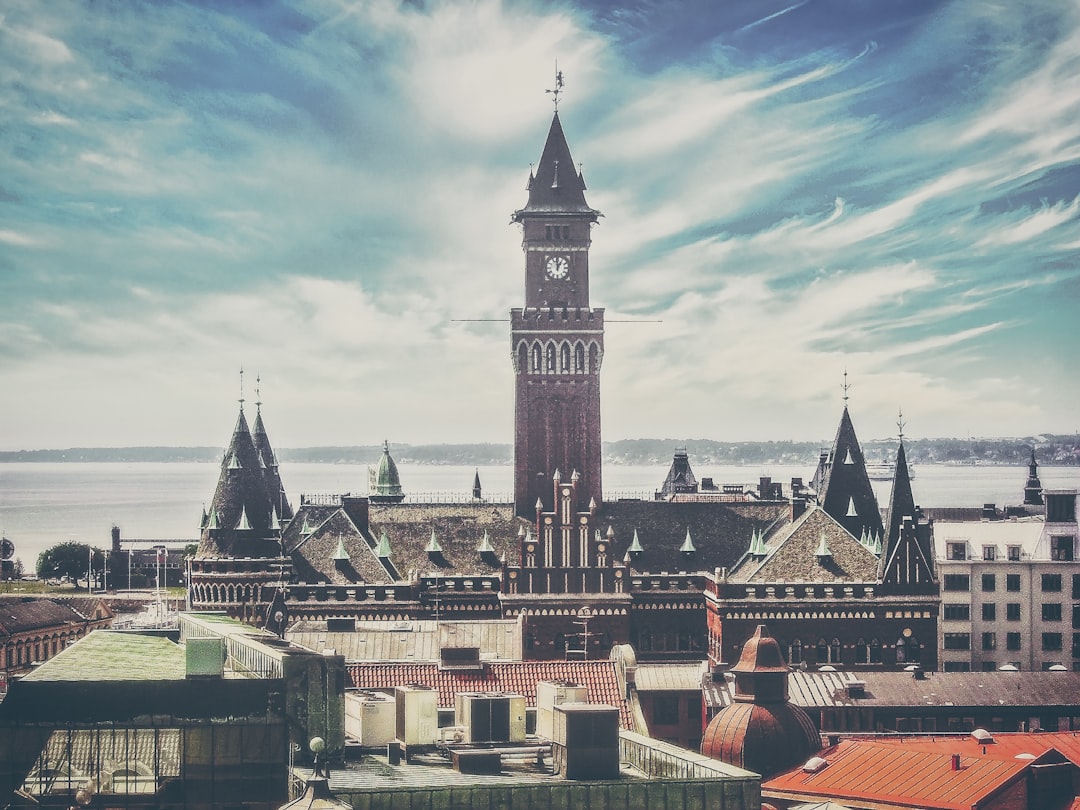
pixel 864 770
pixel 517 677
pixel 1004 746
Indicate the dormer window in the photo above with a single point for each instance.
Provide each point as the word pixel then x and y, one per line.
pixel 989 553
pixel 957 551
pixel 1014 553
pixel 1061 548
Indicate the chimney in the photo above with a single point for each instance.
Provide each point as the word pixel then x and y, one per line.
pixel 356 507
pixel 798 505
pixel 765 487
pixel 956 762
pixel 116 539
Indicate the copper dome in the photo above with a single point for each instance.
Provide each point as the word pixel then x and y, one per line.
pixel 761 731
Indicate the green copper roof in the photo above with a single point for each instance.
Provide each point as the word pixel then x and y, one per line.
pixel 385 481
pixel 106 655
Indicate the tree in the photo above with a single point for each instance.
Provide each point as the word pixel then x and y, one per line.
pixel 68 559
pixel 19 570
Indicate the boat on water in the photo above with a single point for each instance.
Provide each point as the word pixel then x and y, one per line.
pixel 886 470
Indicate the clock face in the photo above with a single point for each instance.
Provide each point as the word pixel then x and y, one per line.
pixel 558 267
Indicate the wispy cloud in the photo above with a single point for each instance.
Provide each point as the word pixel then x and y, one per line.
pixel 322 192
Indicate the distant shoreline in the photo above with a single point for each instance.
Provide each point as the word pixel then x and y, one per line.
pixel 1050 450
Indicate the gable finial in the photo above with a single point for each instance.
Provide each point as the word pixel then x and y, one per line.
pixel 558 86
pixel 241 388
pixel 258 395
pixel 846 387
pixel 900 423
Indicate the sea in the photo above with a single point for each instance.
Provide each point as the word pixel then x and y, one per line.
pixel 42 503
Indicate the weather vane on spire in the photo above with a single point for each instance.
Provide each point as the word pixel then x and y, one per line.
pixel 900 422
pixel 847 387
pixel 241 388
pixel 258 395
pixel 558 86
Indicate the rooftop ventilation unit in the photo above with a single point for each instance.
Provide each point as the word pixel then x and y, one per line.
pixel 490 716
pixel 370 718
pixel 585 744
pixel 550 694
pixel 417 714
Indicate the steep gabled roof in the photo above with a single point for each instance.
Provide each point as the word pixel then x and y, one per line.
pixel 721 531
pixel 268 460
pixel 557 186
pixel 313 553
pixel 846 493
pixel 241 492
pixel 791 554
pixel 901 502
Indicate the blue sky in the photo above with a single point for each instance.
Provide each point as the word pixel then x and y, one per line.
pixel 319 191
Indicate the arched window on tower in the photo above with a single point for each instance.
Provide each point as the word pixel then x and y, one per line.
pixel 861 651
pixel 579 359
pixel 795 655
pixel 901 650
pixel 564 365
pixel 834 651
pixel 822 652
pixel 594 358
pixel 551 357
pixel 913 649
pixel 875 651
pixel 523 359
pixel 536 361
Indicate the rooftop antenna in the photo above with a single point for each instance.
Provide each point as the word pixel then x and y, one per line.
pixel 558 86
pixel 846 387
pixel 241 388
pixel 900 423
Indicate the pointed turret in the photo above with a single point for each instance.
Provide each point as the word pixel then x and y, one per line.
pixel 242 509
pixel 845 493
pixel 688 544
pixel 477 492
pixel 902 501
pixel 385 481
pixel 556 186
pixel 680 478
pixel 268 464
pixel 1033 488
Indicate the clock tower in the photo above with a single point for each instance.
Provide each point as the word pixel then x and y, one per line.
pixel 557 339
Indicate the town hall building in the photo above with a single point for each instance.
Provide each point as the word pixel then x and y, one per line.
pixel 685 576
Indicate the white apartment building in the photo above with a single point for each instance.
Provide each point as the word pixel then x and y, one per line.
pixel 1010 590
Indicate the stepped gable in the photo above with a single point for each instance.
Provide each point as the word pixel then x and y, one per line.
pixel 845 492
pixel 241 511
pixel 761 731
pixel 316 555
pixel 269 463
pixel 557 185
pixel 459 529
pixel 720 531
pixel 793 554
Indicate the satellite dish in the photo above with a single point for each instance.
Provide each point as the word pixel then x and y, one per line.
pixel 7 549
